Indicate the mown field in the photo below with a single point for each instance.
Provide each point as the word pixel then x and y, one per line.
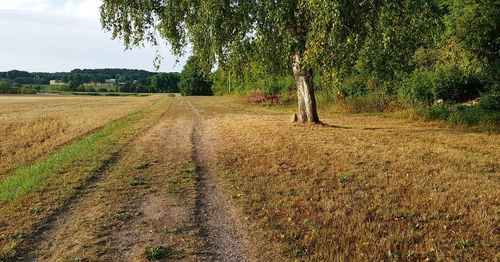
pixel 366 188
pixel 119 179
pixel 34 125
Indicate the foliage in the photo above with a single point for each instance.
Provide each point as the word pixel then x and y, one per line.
pixel 447 84
pixel 165 82
pixel 419 50
pixel 193 80
pixel 490 101
pixel 463 115
pixel 155 252
pixel 5 86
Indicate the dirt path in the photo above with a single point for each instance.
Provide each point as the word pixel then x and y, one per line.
pixel 156 200
pixel 220 227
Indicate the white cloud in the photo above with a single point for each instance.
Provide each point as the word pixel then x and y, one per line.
pixel 86 9
pixel 26 5
pixel 83 9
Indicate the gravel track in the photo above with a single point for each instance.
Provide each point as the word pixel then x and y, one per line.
pixel 219 227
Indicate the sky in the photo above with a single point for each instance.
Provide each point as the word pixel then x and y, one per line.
pixel 61 35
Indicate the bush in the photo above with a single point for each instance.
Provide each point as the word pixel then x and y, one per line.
pixel 354 87
pixel 81 88
pixel 90 89
pixel 462 115
pixel 453 85
pixel 102 90
pixel 490 101
pixel 449 84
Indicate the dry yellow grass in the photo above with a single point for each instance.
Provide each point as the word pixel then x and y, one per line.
pixel 370 189
pixel 31 126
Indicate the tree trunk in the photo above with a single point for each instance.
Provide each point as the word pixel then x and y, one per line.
pixel 307 111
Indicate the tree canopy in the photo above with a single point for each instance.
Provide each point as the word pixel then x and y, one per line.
pixel 375 44
pixel 193 81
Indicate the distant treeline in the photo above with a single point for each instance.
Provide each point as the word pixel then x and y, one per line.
pixel 127 80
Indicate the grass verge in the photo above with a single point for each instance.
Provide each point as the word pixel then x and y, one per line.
pixel 31 194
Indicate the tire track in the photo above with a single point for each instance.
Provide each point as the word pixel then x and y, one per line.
pixel 218 226
pixel 45 232
pixel 61 215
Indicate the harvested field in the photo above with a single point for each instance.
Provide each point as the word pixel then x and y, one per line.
pixel 370 188
pixel 32 126
pixel 212 178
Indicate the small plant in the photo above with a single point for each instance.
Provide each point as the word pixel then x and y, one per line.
pixel 465 243
pixel 137 181
pixel 158 252
pixel 155 253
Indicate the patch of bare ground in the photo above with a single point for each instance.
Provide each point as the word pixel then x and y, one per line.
pixel 142 209
pixel 369 188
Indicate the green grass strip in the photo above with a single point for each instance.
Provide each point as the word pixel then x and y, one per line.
pixel 33 177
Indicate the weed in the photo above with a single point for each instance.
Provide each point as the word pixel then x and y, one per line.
pixel 183 180
pixel 465 243
pixel 158 252
pixel 137 181
pixel 34 210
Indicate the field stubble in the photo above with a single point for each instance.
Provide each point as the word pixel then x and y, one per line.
pixel 32 126
pixel 369 188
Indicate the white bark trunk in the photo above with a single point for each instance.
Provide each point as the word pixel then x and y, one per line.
pixel 305 92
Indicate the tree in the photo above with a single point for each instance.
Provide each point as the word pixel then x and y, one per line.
pixel 165 82
pixel 5 86
pixel 193 80
pixel 289 32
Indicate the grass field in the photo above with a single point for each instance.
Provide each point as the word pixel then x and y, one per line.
pixel 123 179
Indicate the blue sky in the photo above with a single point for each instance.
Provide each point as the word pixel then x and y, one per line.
pixel 61 35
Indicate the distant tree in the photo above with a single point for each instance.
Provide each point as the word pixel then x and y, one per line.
pixel 5 86
pixel 73 85
pixel 193 80
pixel 127 87
pixel 165 82
pixel 81 88
pixel 121 79
pixel 22 80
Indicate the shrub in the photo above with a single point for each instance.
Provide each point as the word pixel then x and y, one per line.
pixel 90 89
pixel 417 88
pixel 447 83
pixel 453 85
pixel 490 101
pixel 354 87
pixel 81 88
pixel 155 253
pixel 462 115
pixel 102 90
